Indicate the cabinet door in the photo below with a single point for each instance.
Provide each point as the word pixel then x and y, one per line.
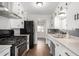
pixel 52 48
pixel 5 52
pixel 58 49
pixel 67 52
pixel 7 5
pixel 4 23
pixel 17 9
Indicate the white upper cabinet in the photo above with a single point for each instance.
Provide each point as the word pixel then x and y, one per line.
pixel 4 23
pixel 66 16
pixel 16 8
pixel 71 12
pixel 62 15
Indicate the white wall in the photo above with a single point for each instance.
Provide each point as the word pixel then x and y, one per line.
pixel 36 18
pixel 4 23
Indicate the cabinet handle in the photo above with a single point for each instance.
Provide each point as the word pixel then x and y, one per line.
pixel 67 54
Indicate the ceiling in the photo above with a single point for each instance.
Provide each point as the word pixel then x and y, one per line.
pixel 46 9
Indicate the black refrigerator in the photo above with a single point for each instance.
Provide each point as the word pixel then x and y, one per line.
pixel 29 29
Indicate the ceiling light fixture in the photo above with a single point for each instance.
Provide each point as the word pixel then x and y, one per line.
pixel 39 4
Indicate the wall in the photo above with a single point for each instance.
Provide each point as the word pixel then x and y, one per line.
pixel 37 18
pixel 16 31
pixel 4 23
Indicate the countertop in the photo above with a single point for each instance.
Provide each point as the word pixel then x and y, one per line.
pixel 71 43
pixel 22 35
pixel 4 47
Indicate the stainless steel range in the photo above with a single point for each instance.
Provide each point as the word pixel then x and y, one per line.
pixel 19 43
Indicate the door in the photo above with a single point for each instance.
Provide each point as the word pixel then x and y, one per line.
pixel 41 30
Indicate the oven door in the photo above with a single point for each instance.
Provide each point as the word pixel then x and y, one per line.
pixel 21 48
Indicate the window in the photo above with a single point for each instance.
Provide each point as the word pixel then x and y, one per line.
pixel 40 28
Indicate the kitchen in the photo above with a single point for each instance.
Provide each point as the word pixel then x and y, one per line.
pixel 27 27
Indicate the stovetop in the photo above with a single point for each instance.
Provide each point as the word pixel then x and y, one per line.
pixel 7 41
pixel 12 40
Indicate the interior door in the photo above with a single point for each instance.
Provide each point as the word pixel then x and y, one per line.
pixel 41 31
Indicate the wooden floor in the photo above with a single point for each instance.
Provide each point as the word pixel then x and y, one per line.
pixel 40 49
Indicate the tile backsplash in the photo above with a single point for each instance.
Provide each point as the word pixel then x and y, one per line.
pixel 16 31
pixel 74 32
pixel 71 32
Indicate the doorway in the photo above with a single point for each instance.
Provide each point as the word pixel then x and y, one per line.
pixel 41 32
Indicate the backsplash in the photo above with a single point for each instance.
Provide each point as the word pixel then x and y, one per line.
pixel 71 32
pixel 56 31
pixel 53 30
pixel 16 32
pixel 74 32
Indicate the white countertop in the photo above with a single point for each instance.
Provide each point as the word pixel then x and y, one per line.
pixel 70 43
pixel 22 35
pixel 4 47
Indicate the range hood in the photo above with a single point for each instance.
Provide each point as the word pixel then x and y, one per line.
pixel 6 13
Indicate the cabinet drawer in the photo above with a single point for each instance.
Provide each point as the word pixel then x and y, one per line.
pixel 61 50
pixel 57 44
pixel 68 53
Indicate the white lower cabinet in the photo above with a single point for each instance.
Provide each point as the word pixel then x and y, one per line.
pixel 58 49
pixel 67 52
pixel 61 50
pixel 51 47
pixel 6 52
